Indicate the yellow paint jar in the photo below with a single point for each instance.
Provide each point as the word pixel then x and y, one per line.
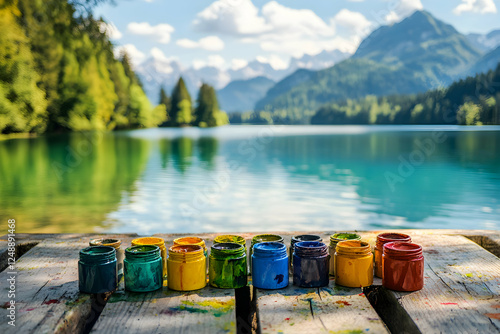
pixel 193 241
pixel 155 242
pixel 353 264
pixel 186 266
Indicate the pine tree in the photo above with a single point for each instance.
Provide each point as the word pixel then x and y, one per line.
pixel 181 110
pixel 207 113
pixel 165 101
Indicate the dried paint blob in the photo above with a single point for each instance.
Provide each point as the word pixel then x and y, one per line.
pixel 143 268
pixel 269 266
pixel 186 267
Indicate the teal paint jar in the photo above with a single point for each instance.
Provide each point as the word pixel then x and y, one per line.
pixel 97 269
pixel 143 268
pixel 227 266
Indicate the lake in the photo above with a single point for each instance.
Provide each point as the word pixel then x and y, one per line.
pixel 253 178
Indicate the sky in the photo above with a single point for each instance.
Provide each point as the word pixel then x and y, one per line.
pixel 230 33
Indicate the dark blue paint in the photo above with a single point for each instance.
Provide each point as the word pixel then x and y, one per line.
pixel 310 264
pixel 97 269
pixel 269 265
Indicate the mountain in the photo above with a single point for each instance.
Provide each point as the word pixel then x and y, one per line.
pixel 155 72
pixel 241 95
pixel 485 42
pixel 414 55
pixel 487 62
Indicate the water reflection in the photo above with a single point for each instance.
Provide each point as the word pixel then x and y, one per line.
pixel 151 181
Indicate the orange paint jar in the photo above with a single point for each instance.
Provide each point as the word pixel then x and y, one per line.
pixel 403 265
pixel 155 242
pixel 382 239
pixel 186 266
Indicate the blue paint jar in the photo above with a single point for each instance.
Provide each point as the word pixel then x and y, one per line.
pixel 269 265
pixel 143 268
pixel 299 238
pixel 310 264
pixel 97 269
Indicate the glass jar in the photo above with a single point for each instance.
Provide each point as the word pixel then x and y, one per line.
pixel 269 266
pixel 227 266
pixel 116 244
pixel 186 268
pixel 154 242
pixel 194 241
pixel 310 264
pixel 299 238
pixel 353 264
pixel 97 269
pixel 143 268
pixel 382 239
pixel 403 265
pixel 334 240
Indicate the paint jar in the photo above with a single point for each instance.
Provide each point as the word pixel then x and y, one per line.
pixel 228 266
pixel 334 240
pixel 194 241
pixel 299 238
pixel 186 268
pixel 269 266
pixel 120 254
pixel 310 264
pixel 154 242
pixel 97 269
pixel 403 265
pixel 353 264
pixel 382 239
pixel 264 238
pixel 143 268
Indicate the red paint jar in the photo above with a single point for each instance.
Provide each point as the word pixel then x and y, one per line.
pixel 382 239
pixel 403 265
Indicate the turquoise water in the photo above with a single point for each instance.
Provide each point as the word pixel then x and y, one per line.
pixel 254 178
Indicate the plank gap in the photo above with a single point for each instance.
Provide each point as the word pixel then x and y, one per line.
pixel 390 310
pixel 486 243
pixel 21 249
pixel 246 311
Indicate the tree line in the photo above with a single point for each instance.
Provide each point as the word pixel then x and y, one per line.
pixel 470 101
pixel 180 112
pixel 58 73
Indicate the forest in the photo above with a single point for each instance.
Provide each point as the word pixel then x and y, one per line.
pixel 58 73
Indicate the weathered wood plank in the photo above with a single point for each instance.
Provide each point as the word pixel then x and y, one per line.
pixel 47 297
pixel 462 287
pixel 329 309
pixel 208 310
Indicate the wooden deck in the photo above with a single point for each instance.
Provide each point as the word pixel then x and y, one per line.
pixel 461 294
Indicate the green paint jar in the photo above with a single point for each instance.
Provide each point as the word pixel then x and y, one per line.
pixel 97 269
pixel 143 268
pixel 120 254
pixel 228 266
pixel 334 240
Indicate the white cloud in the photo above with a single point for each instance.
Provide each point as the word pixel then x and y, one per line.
pixel 475 6
pixel 212 61
pixel 210 43
pixel 237 63
pixel 402 9
pixel 275 61
pixel 354 22
pixel 110 30
pixel 160 32
pixel 135 55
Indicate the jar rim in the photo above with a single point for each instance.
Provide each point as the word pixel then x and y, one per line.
pixel 97 250
pixel 306 237
pixel 393 236
pixel 352 246
pixel 345 236
pixel 142 249
pixel 148 241
pixel 270 246
pixel 230 238
pixel 105 242
pixel 185 249
pixel 189 241
pixel 402 248
pixel 262 238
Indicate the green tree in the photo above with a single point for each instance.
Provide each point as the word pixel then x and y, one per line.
pixel 181 109
pixel 165 101
pixel 207 113
pixel 469 113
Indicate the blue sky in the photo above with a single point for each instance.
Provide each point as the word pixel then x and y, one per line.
pixel 229 33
